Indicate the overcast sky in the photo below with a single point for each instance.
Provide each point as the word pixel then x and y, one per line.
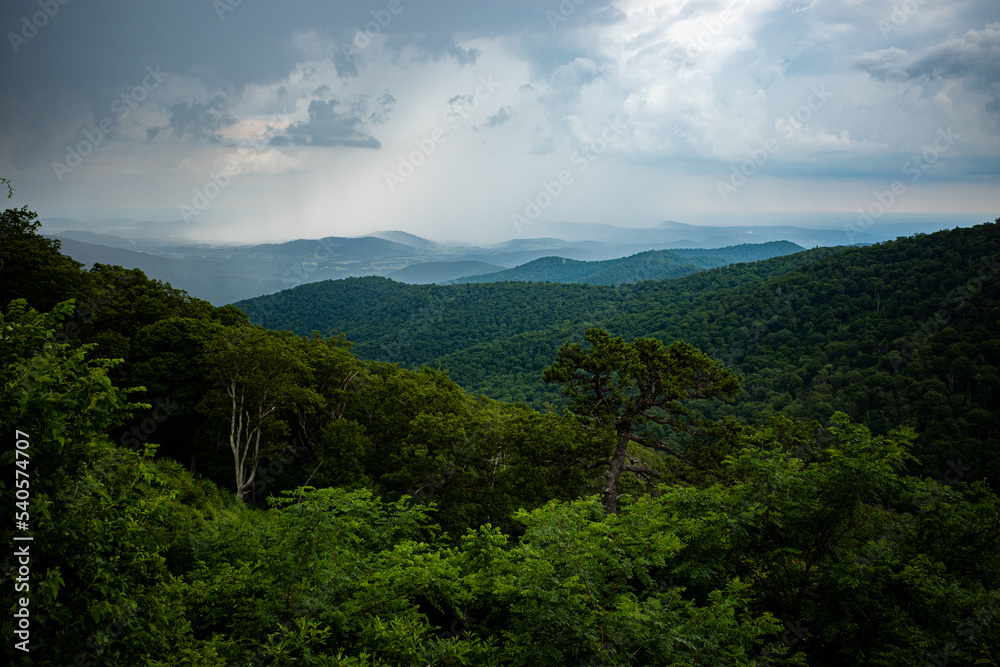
pixel 472 120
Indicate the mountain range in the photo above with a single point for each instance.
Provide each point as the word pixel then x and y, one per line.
pixel 561 251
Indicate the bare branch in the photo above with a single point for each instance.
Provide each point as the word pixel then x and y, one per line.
pixel 642 470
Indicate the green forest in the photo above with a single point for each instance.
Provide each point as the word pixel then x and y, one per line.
pixel 649 265
pixel 793 461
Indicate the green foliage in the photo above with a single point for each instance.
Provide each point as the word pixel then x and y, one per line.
pixel 415 325
pixel 424 439
pixel 623 387
pixel 581 589
pixel 899 333
pixel 101 518
pixel 409 523
pixel 118 303
pixel 649 265
pixel 256 374
pixel 31 266
pixel 836 543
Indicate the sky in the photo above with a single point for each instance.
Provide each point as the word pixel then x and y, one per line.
pixel 471 121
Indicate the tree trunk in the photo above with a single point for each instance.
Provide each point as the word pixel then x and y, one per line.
pixel 614 473
pixel 194 447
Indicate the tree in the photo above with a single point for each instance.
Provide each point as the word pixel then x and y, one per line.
pixel 101 517
pixel 585 588
pixel 256 375
pixel 626 386
pixel 331 372
pixel 168 358
pixel 864 565
pixel 31 266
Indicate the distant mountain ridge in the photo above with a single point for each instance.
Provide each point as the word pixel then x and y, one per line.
pixel 649 265
pixel 414 324
pixel 223 273
pixel 229 273
pixel 405 238
pixel 426 273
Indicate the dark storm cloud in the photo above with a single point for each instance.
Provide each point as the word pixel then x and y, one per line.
pixel 975 55
pixel 433 47
pixel 345 63
pixel 385 106
pixel 972 59
pixel 328 127
pixel 194 120
pixel 100 44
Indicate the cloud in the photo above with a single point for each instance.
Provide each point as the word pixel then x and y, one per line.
pixel 201 120
pixel 385 105
pixel 431 47
pixel 329 126
pixel 975 55
pixel 502 115
pixel 972 60
pixel 345 64
pixel 885 64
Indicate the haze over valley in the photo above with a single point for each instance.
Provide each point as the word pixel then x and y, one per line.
pixel 225 273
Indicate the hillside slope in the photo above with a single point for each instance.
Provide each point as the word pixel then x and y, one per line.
pixel 416 324
pixel 900 333
pixel 425 273
pixel 648 265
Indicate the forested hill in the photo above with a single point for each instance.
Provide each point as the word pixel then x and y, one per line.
pixel 901 332
pixel 416 324
pixel 424 273
pixel 649 265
